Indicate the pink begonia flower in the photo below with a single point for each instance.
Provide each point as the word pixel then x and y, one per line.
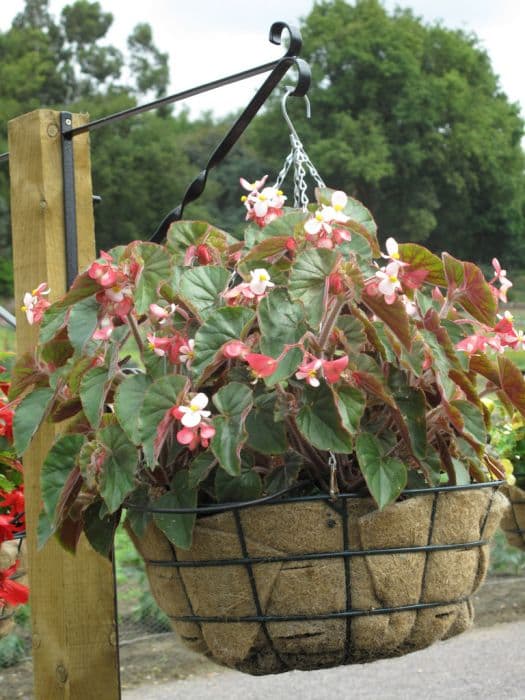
pixel 507 335
pixel 193 437
pixel 308 370
pixel 239 294
pixel 260 281
pixel 104 330
pixel 161 313
pixel 335 283
pixel 235 348
pixel 265 206
pixel 261 365
pixel 500 275
pixel 106 273
pixel 194 412
pixel 389 284
pixel 34 305
pixel 168 346
pixel 473 343
pixel 251 186
pixel 332 369
pixel 187 352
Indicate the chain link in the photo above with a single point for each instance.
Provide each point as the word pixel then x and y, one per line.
pixel 298 158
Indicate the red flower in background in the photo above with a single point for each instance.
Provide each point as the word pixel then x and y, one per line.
pixel 12 592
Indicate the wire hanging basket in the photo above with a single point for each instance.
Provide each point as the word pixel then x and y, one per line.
pixel 513 522
pixel 315 581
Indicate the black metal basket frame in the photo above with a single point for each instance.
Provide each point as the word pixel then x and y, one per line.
pixel 339 504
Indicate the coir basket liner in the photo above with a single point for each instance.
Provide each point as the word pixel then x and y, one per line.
pixel 288 585
pixel 513 522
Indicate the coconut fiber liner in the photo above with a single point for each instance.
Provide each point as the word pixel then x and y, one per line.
pixel 285 597
pixel 10 551
pixel 513 522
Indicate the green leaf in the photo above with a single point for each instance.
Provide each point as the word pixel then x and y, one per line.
pixel 29 415
pixel 129 399
pixel 156 269
pixel 420 258
pixel 245 487
pixel 58 464
pixel 474 423
pixel 385 477
pixel 53 320
pixel 285 226
pixel 178 528
pixel 267 248
pixel 117 472
pixel 100 531
pixel 201 287
pixel 265 434
pixel 308 281
pixel 161 396
pixel 467 286
pixel 227 323
pixel 82 323
pixel 320 421
pixel 412 406
pixel 286 475
pixel 200 467
pixel 93 389
pixel 234 402
pixel 353 331
pixel 351 404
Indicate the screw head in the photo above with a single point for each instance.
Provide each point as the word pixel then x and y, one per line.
pixel 68 122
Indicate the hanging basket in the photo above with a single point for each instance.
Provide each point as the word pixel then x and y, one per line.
pixel 10 551
pixel 513 522
pixel 306 583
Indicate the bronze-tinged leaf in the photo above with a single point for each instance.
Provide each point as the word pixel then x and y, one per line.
pixel 512 382
pixel 394 315
pixel 484 366
pixel 467 386
pixel 419 258
pixel 467 286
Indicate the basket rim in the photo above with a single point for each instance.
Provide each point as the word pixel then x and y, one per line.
pixel 275 499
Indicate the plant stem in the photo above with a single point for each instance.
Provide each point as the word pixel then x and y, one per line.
pixel 136 334
pixel 330 321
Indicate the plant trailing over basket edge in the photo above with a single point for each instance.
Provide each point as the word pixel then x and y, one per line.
pixel 211 370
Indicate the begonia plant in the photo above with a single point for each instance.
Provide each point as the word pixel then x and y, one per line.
pixel 211 370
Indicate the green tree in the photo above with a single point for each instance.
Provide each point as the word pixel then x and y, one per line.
pixel 410 118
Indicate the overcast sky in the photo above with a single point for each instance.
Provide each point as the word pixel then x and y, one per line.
pixel 208 39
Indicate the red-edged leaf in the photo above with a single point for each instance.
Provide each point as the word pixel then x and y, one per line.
pixel 485 367
pixel 394 315
pixel 420 258
pixel 267 249
pixel 467 286
pixel 512 382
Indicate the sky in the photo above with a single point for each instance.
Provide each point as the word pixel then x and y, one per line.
pixel 209 39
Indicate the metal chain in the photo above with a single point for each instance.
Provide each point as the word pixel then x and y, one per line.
pixel 332 463
pixel 299 159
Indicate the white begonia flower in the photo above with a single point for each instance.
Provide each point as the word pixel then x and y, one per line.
pixel 260 280
pixel 320 221
pixel 392 248
pixel 389 281
pixel 187 352
pixel 194 413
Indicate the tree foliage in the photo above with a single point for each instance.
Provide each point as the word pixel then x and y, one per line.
pixel 410 118
pixel 406 116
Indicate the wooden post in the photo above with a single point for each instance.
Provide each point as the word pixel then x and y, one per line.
pixel 75 646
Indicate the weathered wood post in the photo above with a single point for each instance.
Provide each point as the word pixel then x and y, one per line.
pixel 75 646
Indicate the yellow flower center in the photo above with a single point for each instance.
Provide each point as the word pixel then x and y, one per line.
pixel 280 193
pixel 263 278
pixel 319 216
pixel 395 256
pixel 262 197
pixel 393 278
pixel 338 207
pixel 194 407
pixel 244 198
pixel 312 373
pixel 24 308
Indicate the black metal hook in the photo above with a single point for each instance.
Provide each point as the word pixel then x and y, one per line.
pixel 196 188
